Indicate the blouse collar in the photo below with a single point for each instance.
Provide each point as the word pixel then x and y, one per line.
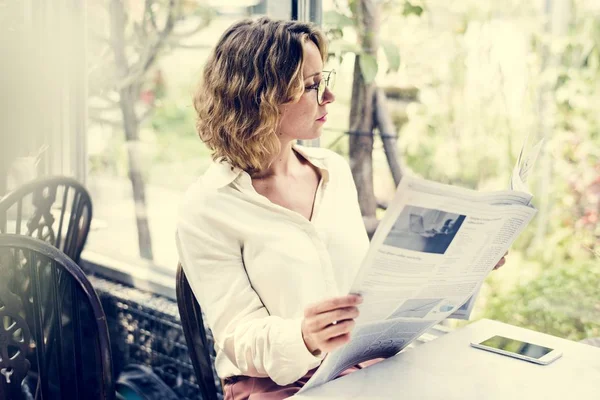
pixel 221 173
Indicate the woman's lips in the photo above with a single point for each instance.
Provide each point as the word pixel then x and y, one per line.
pixel 323 118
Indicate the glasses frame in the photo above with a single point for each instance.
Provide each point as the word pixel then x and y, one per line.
pixel 328 81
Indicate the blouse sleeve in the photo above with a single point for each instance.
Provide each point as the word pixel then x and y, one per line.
pixel 259 344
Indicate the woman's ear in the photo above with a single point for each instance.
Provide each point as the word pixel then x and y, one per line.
pixel 282 109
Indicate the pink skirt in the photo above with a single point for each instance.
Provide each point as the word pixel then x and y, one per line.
pixel 250 388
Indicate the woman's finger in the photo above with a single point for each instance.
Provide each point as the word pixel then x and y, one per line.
pixel 340 328
pixel 325 319
pixel 336 342
pixel 332 304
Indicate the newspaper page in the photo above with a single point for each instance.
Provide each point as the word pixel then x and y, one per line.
pixel 431 252
pixel 523 166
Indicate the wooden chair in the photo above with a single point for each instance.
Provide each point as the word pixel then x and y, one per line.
pixel 57 210
pixel 199 346
pixel 51 346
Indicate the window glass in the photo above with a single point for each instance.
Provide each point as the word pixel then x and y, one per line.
pixel 140 165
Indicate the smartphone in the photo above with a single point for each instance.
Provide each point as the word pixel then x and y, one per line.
pixel 531 352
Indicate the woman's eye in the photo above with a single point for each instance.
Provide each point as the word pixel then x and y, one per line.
pixel 313 87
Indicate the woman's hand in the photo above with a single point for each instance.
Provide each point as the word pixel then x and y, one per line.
pixel 502 261
pixel 327 324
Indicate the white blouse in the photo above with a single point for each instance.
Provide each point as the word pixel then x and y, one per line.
pixel 254 266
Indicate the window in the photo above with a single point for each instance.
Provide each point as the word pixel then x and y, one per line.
pixel 465 85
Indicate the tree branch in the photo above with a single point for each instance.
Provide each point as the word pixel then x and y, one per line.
pixel 183 35
pixel 95 36
pixel 117 37
pixel 153 49
pixel 386 129
pixel 177 45
pixel 104 121
pixel 148 10
pixel 148 55
pixel 105 107
pixel 102 95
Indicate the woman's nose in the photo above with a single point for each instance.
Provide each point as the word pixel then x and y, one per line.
pixel 328 96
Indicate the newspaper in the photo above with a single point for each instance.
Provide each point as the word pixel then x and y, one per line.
pixel 427 260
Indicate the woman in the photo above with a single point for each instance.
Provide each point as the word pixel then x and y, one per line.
pixel 271 236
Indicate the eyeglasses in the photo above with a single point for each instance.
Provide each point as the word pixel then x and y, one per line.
pixel 328 81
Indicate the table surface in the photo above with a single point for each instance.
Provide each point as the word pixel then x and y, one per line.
pixel 449 368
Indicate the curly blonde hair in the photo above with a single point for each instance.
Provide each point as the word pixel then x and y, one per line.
pixel 255 67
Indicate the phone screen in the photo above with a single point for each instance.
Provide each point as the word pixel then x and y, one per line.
pixel 516 346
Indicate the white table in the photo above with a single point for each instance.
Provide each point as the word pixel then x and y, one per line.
pixel 449 368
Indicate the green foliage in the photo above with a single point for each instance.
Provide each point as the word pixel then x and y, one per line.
pixel 410 9
pixel 172 118
pixel 562 301
pixel 368 66
pixel 337 23
pixel 336 19
pixel 392 53
pixel 112 161
pixel 176 139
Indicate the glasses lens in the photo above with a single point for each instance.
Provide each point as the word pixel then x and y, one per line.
pixel 328 81
pixel 331 80
pixel 321 90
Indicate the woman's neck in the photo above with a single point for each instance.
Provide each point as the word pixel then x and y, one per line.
pixel 282 165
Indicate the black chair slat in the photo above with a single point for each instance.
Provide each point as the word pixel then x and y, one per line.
pixel 71 358
pixel 41 221
pixel 77 346
pixel 59 338
pixel 38 321
pixel 19 215
pixel 195 336
pixel 62 217
pixel 73 225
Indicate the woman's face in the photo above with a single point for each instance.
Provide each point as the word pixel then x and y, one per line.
pixel 304 118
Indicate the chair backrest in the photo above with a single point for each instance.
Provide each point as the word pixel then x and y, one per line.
pixel 57 210
pixel 53 331
pixel 199 347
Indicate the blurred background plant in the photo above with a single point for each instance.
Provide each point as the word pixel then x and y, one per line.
pixel 503 73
